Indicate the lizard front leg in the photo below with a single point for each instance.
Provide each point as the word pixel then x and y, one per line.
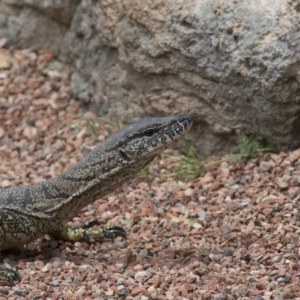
pixel 9 274
pixel 86 233
pixel 16 229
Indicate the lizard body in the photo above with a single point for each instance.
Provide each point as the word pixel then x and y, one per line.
pixel 28 212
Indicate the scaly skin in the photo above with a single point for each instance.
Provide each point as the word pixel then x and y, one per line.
pixel 28 212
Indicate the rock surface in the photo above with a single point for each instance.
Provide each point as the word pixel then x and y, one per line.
pixel 35 24
pixel 231 64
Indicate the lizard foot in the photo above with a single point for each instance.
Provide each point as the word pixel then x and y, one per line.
pixel 108 232
pixel 87 233
pixel 9 274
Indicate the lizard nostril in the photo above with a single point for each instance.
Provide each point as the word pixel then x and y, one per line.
pixel 124 155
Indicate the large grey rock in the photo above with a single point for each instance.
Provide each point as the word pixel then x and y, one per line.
pixel 36 24
pixel 231 64
pixel 60 10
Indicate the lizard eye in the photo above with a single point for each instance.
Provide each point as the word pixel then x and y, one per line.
pixel 149 132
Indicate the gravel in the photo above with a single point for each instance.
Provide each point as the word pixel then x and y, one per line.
pixel 232 233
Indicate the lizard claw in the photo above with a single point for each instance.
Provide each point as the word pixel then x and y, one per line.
pixel 10 274
pixel 114 231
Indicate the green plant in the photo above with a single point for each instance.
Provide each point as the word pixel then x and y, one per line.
pixel 92 122
pixel 145 171
pixel 250 146
pixel 191 165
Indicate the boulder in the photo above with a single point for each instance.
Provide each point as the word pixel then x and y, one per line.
pixel 231 64
pixel 35 24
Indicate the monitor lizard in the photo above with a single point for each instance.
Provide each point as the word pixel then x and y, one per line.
pixel 28 212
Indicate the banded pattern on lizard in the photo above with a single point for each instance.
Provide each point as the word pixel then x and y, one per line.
pixel 28 212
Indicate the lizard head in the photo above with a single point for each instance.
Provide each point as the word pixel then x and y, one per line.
pixel 122 155
pixel 145 139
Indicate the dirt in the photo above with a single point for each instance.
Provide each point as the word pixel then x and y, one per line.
pixel 232 233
